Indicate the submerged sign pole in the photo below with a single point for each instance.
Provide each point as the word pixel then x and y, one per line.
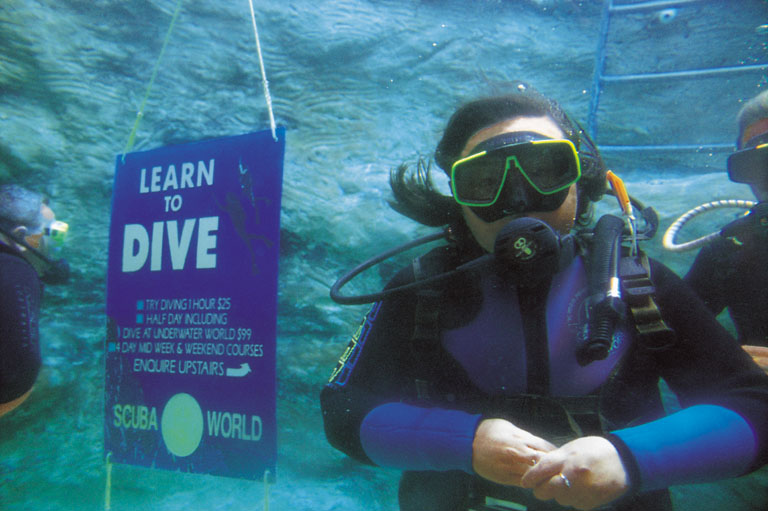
pixel 192 307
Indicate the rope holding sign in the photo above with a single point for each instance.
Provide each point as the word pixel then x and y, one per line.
pixel 266 487
pixel 140 113
pixel 108 487
pixel 263 72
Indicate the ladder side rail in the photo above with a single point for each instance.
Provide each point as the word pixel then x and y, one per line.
pixel 597 76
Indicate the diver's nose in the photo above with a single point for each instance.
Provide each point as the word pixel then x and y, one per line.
pixel 514 197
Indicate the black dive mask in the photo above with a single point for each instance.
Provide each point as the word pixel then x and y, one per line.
pixel 515 173
pixel 517 197
pixel 750 165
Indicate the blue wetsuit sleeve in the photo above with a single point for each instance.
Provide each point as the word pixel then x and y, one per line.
pixel 409 437
pixel 698 444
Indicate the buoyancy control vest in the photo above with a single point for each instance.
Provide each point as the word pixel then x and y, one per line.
pixel 620 299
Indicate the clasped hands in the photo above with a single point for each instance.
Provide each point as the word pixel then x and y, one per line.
pixel 585 473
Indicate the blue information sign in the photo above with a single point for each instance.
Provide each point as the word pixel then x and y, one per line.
pixel 192 307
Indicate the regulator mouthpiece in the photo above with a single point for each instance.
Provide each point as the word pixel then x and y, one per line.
pixel 527 249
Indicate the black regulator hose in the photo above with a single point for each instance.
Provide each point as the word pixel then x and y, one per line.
pixel 337 297
pixel 606 306
pixel 525 250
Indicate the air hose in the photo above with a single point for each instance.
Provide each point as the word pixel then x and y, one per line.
pixel 669 237
pixel 337 297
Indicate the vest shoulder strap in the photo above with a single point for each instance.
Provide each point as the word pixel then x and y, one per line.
pixel 638 290
pixel 426 329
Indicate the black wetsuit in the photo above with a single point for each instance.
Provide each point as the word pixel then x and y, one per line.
pixel 735 276
pixel 20 297
pixel 402 398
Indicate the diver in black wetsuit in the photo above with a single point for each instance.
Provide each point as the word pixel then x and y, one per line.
pixel 28 227
pixel 479 387
pixel 731 272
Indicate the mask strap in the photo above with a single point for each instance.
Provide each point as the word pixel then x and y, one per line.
pixel 507 139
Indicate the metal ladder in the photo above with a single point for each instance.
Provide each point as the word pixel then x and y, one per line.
pixel 600 78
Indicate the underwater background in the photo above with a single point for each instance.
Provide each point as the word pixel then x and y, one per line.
pixel 361 86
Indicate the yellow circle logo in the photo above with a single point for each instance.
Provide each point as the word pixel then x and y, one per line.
pixel 182 425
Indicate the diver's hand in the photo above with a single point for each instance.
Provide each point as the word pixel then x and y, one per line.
pixel 759 354
pixel 592 474
pixel 502 452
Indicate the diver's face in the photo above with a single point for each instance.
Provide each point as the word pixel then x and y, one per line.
pixel 561 219
pixel 36 240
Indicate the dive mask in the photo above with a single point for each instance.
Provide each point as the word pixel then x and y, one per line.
pixel 515 173
pixel 56 232
pixel 750 165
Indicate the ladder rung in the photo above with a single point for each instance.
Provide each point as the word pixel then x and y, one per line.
pixel 652 5
pixel 684 74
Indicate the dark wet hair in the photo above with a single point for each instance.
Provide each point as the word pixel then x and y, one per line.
pixel 19 206
pixel 417 198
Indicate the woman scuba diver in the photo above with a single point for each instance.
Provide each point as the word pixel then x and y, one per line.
pixel 483 387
